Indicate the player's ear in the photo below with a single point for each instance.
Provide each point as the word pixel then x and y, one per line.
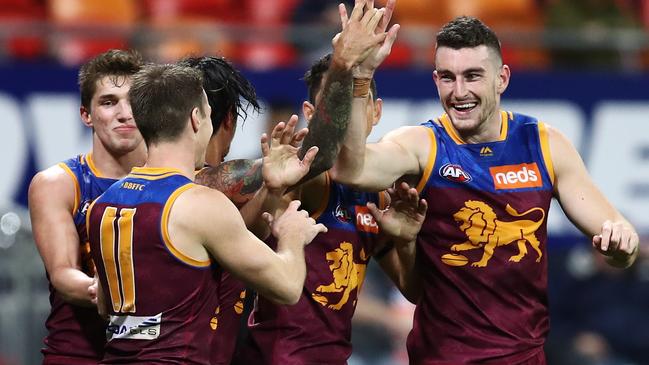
pixel 195 119
pixel 85 116
pixel 308 110
pixel 503 78
pixel 378 111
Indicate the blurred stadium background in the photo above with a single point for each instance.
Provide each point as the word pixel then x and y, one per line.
pixel 580 65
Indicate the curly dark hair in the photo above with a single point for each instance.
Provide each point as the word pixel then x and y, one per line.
pixel 225 87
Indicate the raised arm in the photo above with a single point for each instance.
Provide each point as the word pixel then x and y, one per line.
pixel 586 206
pixel 207 216
pixel 331 118
pixel 376 166
pixel 52 200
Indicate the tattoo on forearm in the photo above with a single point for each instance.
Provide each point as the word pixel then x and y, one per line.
pixel 329 124
pixel 239 180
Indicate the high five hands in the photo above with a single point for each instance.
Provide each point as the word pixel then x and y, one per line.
pixel 381 51
pixel 363 34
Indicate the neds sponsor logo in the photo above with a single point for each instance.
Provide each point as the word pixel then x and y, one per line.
pixel 525 175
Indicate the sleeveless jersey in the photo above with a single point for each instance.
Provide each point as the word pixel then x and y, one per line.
pixel 162 303
pixel 76 334
pixel 232 293
pixel 317 330
pixel 481 252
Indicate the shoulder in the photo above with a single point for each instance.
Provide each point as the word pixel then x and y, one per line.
pixel 408 134
pixel 414 139
pixel 54 188
pixel 56 179
pixel 418 141
pixel 197 204
pixel 555 136
pixel 563 154
pixel 200 195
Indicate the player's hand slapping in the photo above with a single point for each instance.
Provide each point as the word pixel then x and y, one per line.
pixel 365 70
pixel 281 166
pixel 359 35
pixel 405 215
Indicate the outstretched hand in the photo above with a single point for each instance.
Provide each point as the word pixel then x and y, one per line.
pixel 617 240
pixel 281 166
pixel 405 216
pixel 381 51
pixel 359 35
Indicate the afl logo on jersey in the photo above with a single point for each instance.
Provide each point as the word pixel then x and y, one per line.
pixel 454 173
pixel 342 214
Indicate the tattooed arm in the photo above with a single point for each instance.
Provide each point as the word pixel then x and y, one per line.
pixel 258 186
pixel 360 34
pixel 242 182
pixel 329 124
pixel 239 180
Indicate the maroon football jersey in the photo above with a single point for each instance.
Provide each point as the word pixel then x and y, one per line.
pixel 232 293
pixel 481 252
pixel 317 330
pixel 162 304
pixel 76 334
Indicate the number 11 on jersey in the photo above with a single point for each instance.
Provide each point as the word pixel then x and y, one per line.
pixel 116 242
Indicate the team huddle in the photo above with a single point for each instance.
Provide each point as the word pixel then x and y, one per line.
pixel 151 239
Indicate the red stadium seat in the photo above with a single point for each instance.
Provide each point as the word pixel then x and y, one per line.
pixel 89 27
pixel 184 11
pixel 26 20
pixel 265 55
pixel 401 56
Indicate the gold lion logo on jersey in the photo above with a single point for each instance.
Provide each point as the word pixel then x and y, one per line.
pixel 484 230
pixel 347 276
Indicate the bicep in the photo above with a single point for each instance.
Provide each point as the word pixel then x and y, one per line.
pixel 51 201
pixel 236 248
pixel 581 200
pixel 393 156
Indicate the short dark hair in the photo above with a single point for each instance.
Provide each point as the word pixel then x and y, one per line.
pixel 313 78
pixel 113 63
pixel 225 86
pixel 162 99
pixel 467 32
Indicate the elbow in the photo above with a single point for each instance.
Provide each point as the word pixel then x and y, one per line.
pixel 410 290
pixel 70 293
pixel 344 177
pixel 411 297
pixel 67 295
pixel 292 300
pixel 292 296
pixel 287 298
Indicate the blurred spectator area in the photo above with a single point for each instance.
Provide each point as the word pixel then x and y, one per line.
pixel 261 34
